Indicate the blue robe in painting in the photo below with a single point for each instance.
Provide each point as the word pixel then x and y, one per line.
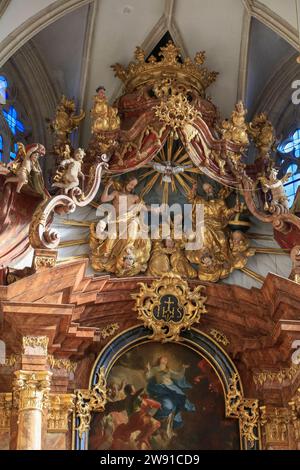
pixel 171 396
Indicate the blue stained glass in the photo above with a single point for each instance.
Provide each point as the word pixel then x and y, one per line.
pixel 291 145
pixel 292 185
pixel 1 147
pixel 3 89
pixel 13 153
pixel 14 123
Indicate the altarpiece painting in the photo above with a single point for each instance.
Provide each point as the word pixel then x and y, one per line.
pixel 163 397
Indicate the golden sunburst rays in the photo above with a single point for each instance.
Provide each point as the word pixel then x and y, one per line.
pixel 171 168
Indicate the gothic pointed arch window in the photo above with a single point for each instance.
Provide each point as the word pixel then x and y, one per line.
pixel 289 151
pixel 12 127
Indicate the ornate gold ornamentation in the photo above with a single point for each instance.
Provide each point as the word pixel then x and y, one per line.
pixel 245 409
pixel 104 117
pixel 176 112
pixel 34 342
pixel 5 410
pixel 235 129
pixel 88 401
pixel 188 72
pixel 11 360
pixel 65 364
pixel 262 133
pixel 60 407
pixel 295 414
pixel 283 375
pixel 109 330
pixel 64 123
pixel 125 252
pixel 222 250
pixel 219 337
pixel 168 306
pixel 274 422
pixel 44 259
pixel 31 389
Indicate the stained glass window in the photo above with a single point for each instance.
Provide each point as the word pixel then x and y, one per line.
pixel 1 147
pixel 291 148
pixel 14 151
pixel 13 121
pixel 291 145
pixel 3 89
pixel 292 185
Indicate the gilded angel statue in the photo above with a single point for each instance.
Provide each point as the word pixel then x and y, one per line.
pixel 279 202
pixel 64 123
pixel 69 171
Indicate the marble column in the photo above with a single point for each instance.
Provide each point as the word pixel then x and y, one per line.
pixel 31 391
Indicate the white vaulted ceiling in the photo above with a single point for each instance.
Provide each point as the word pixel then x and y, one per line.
pixel 80 46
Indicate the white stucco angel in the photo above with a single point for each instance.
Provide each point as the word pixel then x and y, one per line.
pixel 69 171
pixel 279 202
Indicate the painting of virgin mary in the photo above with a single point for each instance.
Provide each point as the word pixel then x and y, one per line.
pixel 163 396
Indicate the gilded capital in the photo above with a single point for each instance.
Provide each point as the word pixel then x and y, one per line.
pixel 274 422
pixel 31 389
pixel 5 410
pixel 35 345
pixel 60 407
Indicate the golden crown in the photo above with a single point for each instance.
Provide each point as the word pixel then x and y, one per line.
pixel 142 71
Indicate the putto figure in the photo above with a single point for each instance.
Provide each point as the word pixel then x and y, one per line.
pixel 69 171
pixel 278 202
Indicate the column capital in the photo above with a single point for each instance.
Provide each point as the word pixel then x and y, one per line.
pixel 35 345
pixel 31 389
pixel 60 407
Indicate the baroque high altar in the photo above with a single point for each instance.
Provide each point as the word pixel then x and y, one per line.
pixel 121 348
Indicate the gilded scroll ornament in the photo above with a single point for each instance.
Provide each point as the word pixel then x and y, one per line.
pixel 88 401
pixel 219 337
pixel 62 364
pixel 168 306
pixel 109 330
pixel 243 408
pixel 279 377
